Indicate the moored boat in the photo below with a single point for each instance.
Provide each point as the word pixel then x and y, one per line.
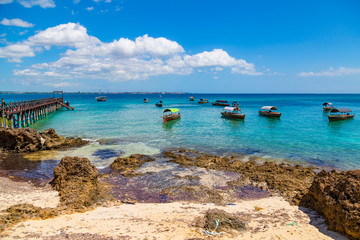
pixel 101 98
pixel 159 104
pixel 337 114
pixel 220 103
pixel 328 106
pixel 233 112
pixel 191 99
pixel 202 100
pixel 269 111
pixel 171 114
pixel 146 100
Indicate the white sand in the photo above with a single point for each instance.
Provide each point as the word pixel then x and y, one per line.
pixel 12 193
pixel 176 221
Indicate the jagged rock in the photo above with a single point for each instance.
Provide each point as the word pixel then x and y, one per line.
pixel 20 212
pixel 128 165
pixel 30 140
pixel 337 197
pixel 77 182
pixel 291 182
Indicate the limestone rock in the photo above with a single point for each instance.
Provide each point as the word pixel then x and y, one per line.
pixel 337 197
pixel 128 165
pixel 77 182
pixel 30 140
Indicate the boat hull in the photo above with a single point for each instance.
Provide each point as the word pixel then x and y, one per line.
pixel 101 99
pixel 340 117
pixel 201 102
pixel 220 104
pixel 233 115
pixel 328 108
pixel 158 105
pixel 270 114
pixel 171 117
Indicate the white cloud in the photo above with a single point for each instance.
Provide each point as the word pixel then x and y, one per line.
pixel 90 9
pixel 86 57
pixel 26 72
pixel 23 32
pixel 16 51
pixel 341 71
pixel 16 22
pixel 6 1
pixel 41 3
pixel 70 34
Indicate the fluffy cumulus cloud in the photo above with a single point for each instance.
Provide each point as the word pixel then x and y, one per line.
pixel 71 34
pixel 341 71
pixel 16 51
pixel 86 57
pixel 16 22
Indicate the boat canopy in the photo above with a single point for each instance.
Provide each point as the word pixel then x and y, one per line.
pixel 230 109
pixel 173 110
pixel 340 110
pixel 327 103
pixel 269 108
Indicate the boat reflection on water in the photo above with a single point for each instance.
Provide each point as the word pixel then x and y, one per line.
pixel 168 126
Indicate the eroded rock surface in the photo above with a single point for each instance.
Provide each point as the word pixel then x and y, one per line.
pixel 77 182
pixel 29 140
pixel 291 182
pixel 128 165
pixel 337 197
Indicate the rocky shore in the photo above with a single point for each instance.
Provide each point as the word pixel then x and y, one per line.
pixel 188 209
pixel 29 140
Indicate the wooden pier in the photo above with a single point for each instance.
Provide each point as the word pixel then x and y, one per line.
pixel 24 113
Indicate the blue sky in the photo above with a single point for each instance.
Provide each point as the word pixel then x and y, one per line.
pixel 179 45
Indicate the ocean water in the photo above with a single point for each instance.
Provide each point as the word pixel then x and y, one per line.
pixel 126 125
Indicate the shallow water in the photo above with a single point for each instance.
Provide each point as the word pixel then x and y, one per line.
pixel 127 125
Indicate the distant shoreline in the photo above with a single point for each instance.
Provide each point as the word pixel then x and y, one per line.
pixel 180 93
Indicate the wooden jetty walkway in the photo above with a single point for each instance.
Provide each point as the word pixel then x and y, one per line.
pixel 24 113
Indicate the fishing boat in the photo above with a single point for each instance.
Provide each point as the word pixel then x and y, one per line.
pixel 159 103
pixel 101 98
pixel 337 114
pixel 269 111
pixel 233 112
pixel 146 100
pixel 202 100
pixel 191 99
pixel 170 114
pixel 221 103
pixel 235 104
pixel 328 106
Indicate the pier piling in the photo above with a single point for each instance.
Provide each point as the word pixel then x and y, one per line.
pixel 24 113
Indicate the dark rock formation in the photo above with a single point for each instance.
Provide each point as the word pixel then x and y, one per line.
pixel 30 140
pixel 20 212
pixel 77 182
pixel 291 182
pixel 337 197
pixel 128 165
pixel 226 222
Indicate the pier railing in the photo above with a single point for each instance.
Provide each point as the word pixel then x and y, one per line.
pixel 24 113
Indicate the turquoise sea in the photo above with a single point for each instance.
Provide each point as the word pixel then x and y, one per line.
pixel 126 125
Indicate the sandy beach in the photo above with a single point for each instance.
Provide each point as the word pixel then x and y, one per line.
pixel 277 219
